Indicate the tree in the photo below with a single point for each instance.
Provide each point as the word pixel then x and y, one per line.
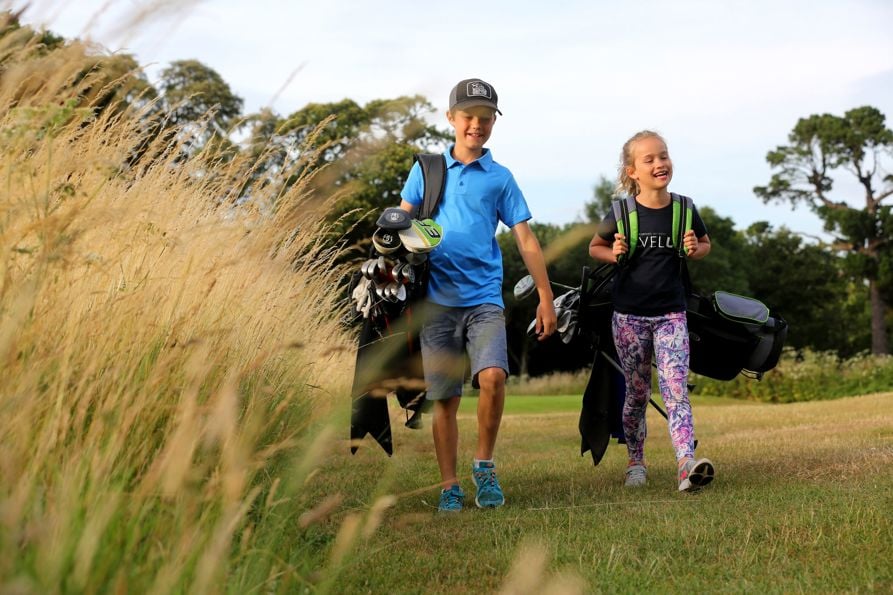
pixel 365 152
pixel 807 285
pixel 600 205
pixel 725 267
pixel 857 143
pixel 194 93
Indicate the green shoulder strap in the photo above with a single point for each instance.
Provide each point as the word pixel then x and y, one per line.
pixel 627 224
pixel 682 220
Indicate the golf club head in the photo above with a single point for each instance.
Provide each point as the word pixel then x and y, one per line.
pixel 416 258
pixel 397 271
pixel 524 287
pixel 365 269
pixel 564 321
pixel 400 294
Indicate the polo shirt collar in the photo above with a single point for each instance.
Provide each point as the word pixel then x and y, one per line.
pixel 485 161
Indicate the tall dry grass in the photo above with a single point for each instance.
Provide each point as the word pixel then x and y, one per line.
pixel 168 355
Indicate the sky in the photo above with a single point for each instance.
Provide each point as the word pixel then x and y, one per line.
pixel 723 81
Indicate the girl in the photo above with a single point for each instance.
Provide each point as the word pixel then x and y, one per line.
pixel 649 307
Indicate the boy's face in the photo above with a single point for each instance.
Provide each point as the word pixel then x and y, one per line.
pixel 652 168
pixel 473 126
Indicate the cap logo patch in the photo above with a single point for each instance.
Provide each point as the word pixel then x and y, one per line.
pixel 478 89
pixel 393 217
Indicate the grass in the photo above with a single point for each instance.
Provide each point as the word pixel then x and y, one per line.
pixel 170 425
pixel 157 378
pixel 801 504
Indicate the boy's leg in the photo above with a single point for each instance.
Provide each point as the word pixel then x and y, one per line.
pixel 671 348
pixel 442 342
pixel 446 438
pixel 485 330
pixel 490 406
pixel 633 341
pixel 488 353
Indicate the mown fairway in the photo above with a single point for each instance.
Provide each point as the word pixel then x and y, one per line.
pixel 802 502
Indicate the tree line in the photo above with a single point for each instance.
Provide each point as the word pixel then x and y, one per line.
pixel 834 294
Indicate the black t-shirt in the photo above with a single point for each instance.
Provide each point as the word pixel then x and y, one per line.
pixel 651 283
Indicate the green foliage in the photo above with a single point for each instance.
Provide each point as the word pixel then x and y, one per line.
pixel 194 92
pixel 808 376
pixel 806 284
pixel 600 205
pixel 365 152
pixel 859 143
pixel 17 41
pixel 722 269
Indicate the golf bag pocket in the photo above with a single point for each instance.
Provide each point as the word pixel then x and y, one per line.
pixel 731 333
pixel 738 308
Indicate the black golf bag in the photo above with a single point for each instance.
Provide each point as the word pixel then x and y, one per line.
pixel 729 335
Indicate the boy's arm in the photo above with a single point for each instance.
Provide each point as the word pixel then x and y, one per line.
pixel 532 255
pixel 408 206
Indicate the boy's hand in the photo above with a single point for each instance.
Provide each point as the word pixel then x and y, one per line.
pixel 690 242
pixel 546 321
pixel 619 248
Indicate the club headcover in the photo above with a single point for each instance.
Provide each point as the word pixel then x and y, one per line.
pixel 386 241
pixel 394 218
pixel 421 236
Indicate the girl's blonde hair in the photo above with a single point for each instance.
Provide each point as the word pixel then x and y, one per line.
pixel 626 186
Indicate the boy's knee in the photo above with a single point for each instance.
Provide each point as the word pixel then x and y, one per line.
pixel 491 379
pixel 446 406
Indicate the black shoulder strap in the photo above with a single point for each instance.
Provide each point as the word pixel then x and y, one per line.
pixel 627 219
pixel 434 175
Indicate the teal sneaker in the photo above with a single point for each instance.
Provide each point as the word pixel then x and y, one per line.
pixel 489 494
pixel 451 500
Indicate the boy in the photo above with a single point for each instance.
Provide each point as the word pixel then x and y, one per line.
pixel 465 308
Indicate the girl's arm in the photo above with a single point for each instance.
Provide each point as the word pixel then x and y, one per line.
pixel 697 248
pixel 604 251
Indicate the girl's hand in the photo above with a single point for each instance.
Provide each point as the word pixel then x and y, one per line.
pixel 619 248
pixel 690 242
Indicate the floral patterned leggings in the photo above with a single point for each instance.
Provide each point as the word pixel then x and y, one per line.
pixel 666 336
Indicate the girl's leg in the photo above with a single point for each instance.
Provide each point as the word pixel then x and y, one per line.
pixel 632 339
pixel 671 350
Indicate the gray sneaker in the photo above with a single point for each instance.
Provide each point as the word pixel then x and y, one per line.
pixel 694 475
pixel 635 476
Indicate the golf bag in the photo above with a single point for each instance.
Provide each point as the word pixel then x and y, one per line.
pixel 729 335
pixel 387 292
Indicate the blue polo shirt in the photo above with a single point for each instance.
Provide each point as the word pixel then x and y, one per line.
pixel 466 267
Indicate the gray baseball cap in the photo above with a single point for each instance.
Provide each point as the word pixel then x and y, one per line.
pixel 472 92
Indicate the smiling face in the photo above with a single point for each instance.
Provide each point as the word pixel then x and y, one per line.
pixel 473 126
pixel 651 166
